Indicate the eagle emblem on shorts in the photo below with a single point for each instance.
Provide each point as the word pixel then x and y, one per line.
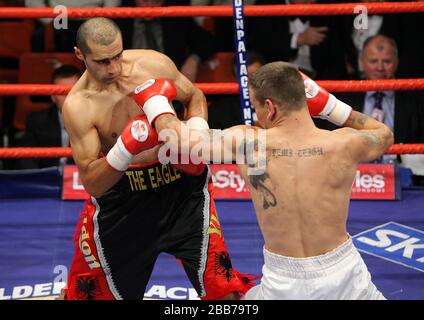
pixel 223 265
pixel 87 288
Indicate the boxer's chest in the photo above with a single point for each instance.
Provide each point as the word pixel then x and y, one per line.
pixel 113 114
pixel 115 108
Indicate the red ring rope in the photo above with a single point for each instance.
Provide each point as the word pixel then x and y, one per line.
pixel 232 88
pixel 57 152
pixel 215 11
pixel 212 88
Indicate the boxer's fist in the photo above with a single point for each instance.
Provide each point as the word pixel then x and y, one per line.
pixel 154 97
pixel 137 136
pixel 324 105
pixel 192 169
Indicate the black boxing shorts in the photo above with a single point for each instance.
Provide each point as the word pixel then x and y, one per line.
pixel 152 209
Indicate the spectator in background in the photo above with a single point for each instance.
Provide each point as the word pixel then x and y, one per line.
pixel 182 39
pixel 401 111
pixel 369 28
pixel 11 3
pixel 225 111
pixel 64 38
pixel 45 128
pixel 402 27
pixel 316 44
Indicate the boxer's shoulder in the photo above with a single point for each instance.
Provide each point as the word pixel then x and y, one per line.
pixel 149 61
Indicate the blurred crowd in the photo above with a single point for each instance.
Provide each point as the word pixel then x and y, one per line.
pixel 337 47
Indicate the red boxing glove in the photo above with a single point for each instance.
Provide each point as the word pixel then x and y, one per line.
pixel 190 168
pixel 324 105
pixel 137 136
pixel 154 97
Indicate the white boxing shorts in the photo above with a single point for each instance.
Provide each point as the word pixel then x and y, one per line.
pixel 340 274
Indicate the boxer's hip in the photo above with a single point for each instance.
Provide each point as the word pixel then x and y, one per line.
pixel 338 274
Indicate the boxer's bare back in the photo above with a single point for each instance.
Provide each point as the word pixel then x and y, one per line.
pixel 301 199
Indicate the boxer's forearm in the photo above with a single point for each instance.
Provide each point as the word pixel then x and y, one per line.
pixel 360 121
pixel 177 134
pixel 168 122
pixel 197 106
pixel 173 131
pixel 376 132
pixel 98 177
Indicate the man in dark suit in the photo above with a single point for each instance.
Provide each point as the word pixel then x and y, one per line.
pixel 401 111
pixel 316 44
pixel 181 39
pixel 45 128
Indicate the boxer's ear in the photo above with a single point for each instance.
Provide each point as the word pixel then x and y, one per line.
pixel 271 109
pixel 78 53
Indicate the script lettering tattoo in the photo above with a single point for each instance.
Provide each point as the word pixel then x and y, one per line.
pixel 301 153
pixel 282 152
pixel 310 152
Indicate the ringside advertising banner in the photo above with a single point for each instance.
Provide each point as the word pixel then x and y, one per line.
pixel 72 188
pixel 372 182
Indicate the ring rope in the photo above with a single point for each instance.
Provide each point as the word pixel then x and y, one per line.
pixel 215 11
pixel 61 152
pixel 212 88
pixel 232 88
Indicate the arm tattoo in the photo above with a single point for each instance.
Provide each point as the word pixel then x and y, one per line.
pixel 371 138
pixel 241 148
pixel 257 180
pixel 362 119
pixel 358 122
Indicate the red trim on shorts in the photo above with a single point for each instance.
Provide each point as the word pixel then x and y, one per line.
pixel 220 278
pixel 87 280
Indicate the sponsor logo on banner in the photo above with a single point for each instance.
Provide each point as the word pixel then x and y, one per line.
pixel 375 181
pixel 372 181
pixel 52 290
pixel 173 293
pixel 41 291
pixel 228 183
pixel 72 188
pixel 394 242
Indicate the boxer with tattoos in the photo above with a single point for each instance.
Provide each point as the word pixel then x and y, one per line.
pixel 301 193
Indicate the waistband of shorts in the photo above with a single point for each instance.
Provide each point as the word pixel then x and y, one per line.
pixel 143 165
pixel 316 264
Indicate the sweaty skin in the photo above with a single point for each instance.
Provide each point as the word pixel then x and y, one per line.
pixel 96 111
pixel 302 198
